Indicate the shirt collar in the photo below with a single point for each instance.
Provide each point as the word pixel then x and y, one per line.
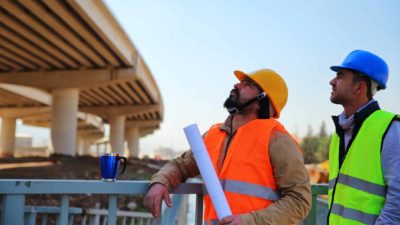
pixel 348 122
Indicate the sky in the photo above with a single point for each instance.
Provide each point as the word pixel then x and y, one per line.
pixel 193 47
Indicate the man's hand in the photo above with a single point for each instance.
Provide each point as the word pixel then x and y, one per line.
pixel 231 220
pixel 154 196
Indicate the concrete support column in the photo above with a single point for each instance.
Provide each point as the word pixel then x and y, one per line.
pixel 64 120
pixel 117 129
pixel 84 146
pixel 132 138
pixel 8 125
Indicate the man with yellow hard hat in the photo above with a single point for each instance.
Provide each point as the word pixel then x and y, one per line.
pixel 259 164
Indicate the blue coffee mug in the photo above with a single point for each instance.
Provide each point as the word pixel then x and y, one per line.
pixel 110 166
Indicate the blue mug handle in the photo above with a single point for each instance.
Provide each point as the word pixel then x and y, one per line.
pixel 123 161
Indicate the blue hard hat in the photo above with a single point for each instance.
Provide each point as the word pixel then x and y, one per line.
pixel 368 64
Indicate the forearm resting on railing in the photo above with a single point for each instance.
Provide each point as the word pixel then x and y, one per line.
pixel 176 171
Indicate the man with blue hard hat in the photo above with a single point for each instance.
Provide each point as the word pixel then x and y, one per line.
pixel 364 154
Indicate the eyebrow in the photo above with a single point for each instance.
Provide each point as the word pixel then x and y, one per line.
pixel 252 83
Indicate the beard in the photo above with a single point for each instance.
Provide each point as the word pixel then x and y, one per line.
pixel 338 98
pixel 233 100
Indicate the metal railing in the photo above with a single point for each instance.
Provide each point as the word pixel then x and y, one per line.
pixel 319 209
pixel 13 194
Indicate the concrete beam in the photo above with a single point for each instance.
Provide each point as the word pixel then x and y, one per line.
pixel 142 123
pixel 36 123
pixel 90 120
pixel 21 112
pixel 96 14
pixel 34 93
pixel 105 111
pixel 67 78
pixel 89 132
pixel 145 77
pixel 146 131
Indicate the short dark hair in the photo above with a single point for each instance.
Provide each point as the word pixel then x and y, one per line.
pixel 359 77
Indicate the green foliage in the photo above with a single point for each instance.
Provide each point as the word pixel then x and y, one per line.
pixel 316 147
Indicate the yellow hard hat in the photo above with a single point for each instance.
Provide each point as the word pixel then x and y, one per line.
pixel 272 84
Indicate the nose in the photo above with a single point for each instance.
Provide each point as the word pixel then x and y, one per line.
pixel 237 85
pixel 332 82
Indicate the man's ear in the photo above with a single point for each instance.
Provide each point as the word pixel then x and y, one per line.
pixel 362 88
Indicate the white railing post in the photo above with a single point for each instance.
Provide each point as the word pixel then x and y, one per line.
pixel 199 209
pixel 62 218
pixel 13 210
pixel 44 219
pixel 112 210
pixel 30 215
pixel 71 220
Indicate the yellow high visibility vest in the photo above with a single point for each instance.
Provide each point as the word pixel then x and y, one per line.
pixel 357 189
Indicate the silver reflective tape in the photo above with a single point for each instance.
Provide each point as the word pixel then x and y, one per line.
pixel 332 183
pixel 246 188
pixel 354 214
pixel 363 185
pixel 250 189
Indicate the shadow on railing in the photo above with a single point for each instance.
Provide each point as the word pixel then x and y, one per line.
pixel 14 211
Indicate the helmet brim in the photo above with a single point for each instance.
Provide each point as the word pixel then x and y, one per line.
pixel 337 68
pixel 240 75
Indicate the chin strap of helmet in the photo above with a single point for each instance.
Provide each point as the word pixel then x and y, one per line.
pixel 235 110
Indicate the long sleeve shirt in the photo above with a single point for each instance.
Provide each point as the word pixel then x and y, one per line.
pixel 289 172
pixel 390 157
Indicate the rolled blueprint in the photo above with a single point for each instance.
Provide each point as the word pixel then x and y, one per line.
pixel 207 171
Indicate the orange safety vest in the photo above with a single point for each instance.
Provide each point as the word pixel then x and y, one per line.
pixel 246 176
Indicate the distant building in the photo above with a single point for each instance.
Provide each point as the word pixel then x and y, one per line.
pixel 24 147
pixel 166 153
pixel 23 141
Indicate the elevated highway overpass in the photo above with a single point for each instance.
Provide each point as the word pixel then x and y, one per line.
pixel 69 66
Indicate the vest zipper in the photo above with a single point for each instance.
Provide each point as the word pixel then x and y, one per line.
pixel 230 134
pixel 342 157
pixel 226 148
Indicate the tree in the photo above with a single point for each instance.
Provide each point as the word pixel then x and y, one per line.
pixel 309 146
pixel 315 147
pixel 322 130
pixel 323 143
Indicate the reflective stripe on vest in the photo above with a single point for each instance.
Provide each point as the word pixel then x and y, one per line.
pixel 246 188
pixel 360 184
pixel 359 187
pixel 354 214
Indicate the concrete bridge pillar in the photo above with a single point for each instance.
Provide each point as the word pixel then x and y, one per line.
pixel 117 130
pixel 8 125
pixel 64 120
pixel 132 138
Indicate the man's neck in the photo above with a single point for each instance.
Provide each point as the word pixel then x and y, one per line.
pixel 242 119
pixel 351 109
